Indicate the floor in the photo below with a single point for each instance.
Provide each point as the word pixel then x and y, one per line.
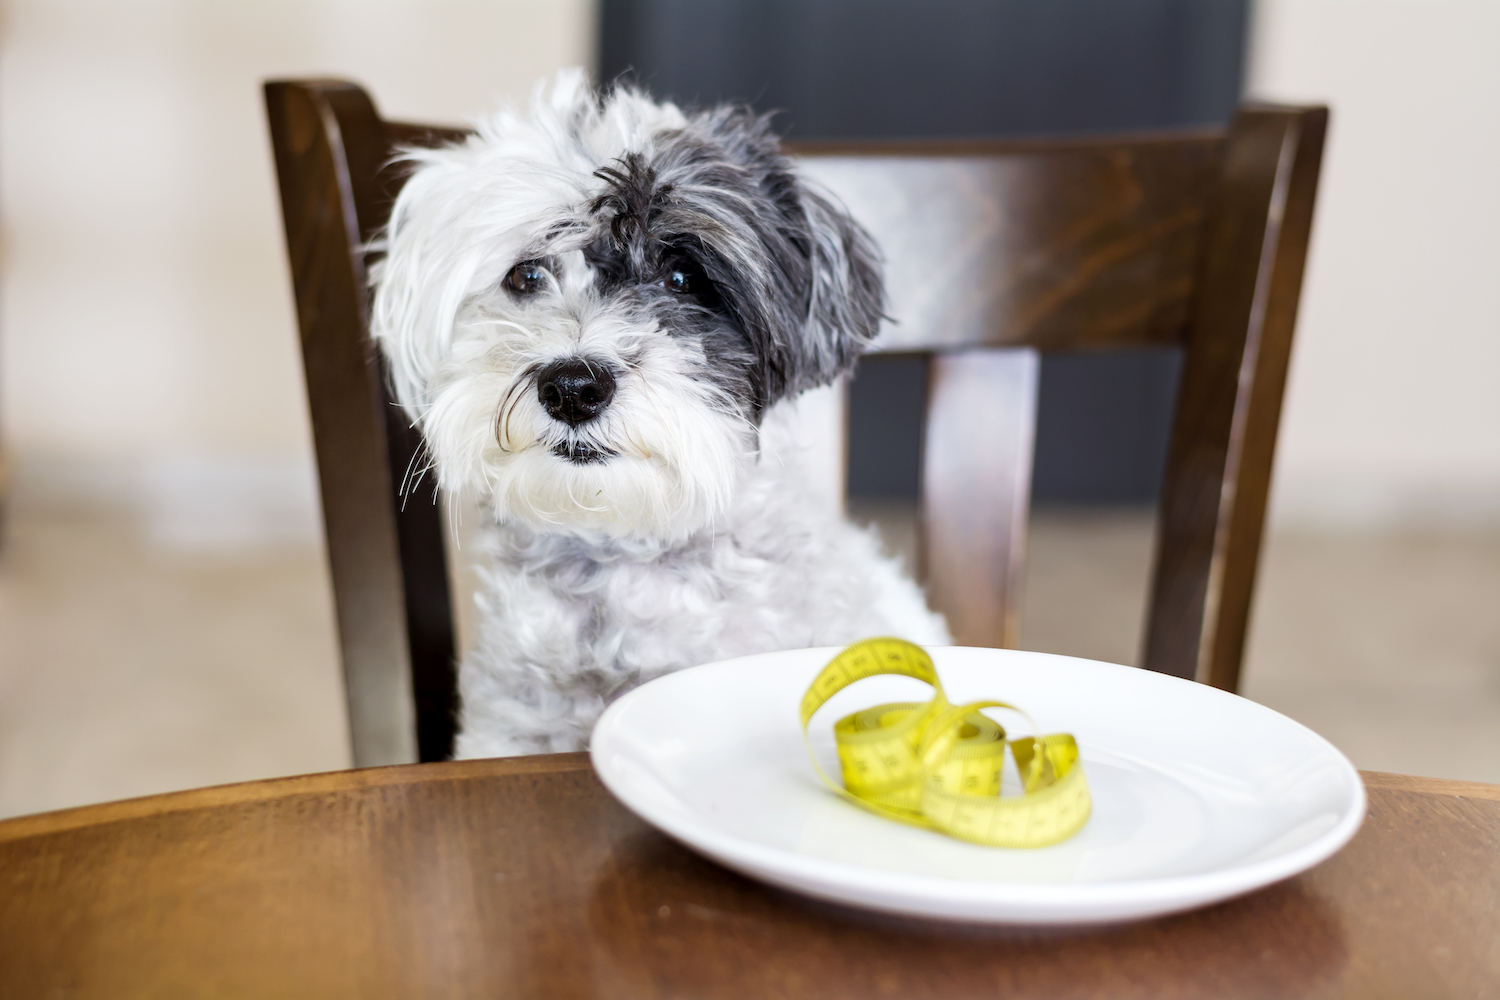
pixel 126 669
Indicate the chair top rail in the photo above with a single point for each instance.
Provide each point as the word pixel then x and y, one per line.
pixel 1058 244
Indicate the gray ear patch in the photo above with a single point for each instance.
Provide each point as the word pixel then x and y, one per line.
pixel 791 271
pixel 848 292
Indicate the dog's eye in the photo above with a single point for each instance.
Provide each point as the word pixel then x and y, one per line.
pixel 680 280
pixel 526 278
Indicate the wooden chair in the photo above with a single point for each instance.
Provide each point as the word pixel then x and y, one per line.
pixel 995 251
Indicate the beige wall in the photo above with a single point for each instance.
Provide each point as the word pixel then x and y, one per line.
pixel 149 354
pixel 1393 408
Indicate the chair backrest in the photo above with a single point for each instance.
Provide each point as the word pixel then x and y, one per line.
pixel 995 251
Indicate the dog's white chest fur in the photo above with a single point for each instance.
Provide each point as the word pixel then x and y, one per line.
pixel 566 625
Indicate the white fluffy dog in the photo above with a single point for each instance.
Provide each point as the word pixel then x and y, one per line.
pixel 593 311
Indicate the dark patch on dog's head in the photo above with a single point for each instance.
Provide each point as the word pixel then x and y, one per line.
pixel 632 199
pixel 783 287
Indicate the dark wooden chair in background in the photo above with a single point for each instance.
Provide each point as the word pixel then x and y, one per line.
pixel 995 251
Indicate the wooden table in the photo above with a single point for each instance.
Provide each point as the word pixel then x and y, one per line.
pixel 524 878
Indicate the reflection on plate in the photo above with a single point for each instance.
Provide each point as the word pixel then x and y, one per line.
pixel 1198 795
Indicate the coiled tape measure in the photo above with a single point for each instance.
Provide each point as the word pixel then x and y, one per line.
pixel 938 766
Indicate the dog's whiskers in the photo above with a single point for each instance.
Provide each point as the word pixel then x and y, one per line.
pixel 508 404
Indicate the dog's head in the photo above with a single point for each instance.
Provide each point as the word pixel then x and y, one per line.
pixel 587 309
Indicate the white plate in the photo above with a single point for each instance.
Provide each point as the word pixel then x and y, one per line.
pixel 1198 795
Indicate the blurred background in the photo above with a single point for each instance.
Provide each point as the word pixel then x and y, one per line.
pixel 165 616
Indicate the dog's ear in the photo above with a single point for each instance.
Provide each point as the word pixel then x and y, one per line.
pixel 402 321
pixel 802 278
pixel 847 296
pixel 420 268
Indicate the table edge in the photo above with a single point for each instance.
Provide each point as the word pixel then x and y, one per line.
pixel 264 789
pixel 1387 781
pixel 42 824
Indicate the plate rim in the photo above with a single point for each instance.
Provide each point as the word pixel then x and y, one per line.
pixel 935 896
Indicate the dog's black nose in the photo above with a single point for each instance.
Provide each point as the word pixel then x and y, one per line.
pixel 574 390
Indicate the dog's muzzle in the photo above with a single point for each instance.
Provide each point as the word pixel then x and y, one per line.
pixel 575 390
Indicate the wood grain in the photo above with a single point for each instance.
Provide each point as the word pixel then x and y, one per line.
pixel 523 877
pixel 1430 786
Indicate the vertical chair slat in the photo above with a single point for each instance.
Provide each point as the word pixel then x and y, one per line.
pixel 386 553
pixel 1224 432
pixel 419 510
pixel 976 488
pixel 323 245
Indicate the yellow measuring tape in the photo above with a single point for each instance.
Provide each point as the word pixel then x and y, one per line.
pixel 938 765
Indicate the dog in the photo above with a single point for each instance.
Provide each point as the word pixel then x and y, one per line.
pixel 599 313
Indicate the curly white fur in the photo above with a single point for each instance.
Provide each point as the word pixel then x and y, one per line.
pixel 681 257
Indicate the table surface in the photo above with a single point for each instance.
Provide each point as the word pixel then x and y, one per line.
pixel 524 877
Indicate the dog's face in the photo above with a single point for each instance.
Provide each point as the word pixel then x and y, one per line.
pixel 588 309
